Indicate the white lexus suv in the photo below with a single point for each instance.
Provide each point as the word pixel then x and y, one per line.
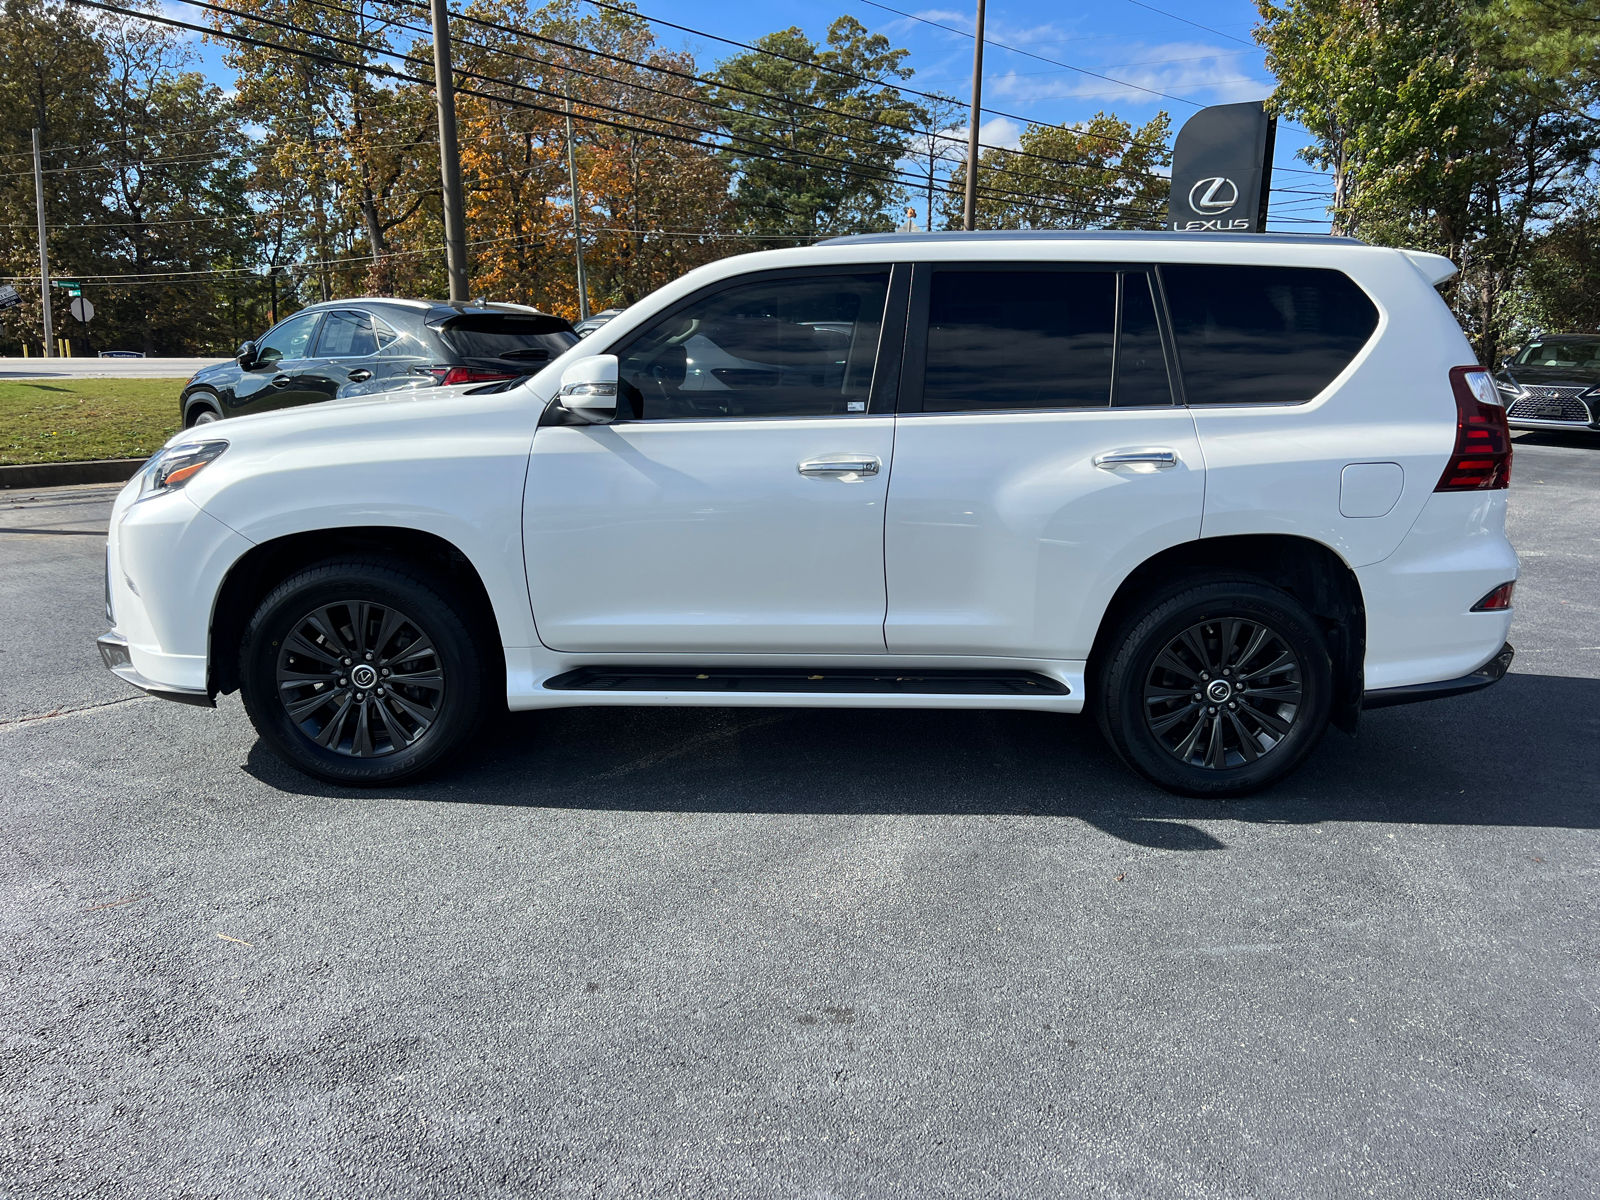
pixel 1221 491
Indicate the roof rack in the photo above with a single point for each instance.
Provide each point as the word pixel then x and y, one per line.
pixel 1087 235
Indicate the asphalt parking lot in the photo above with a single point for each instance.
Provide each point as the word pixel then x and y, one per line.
pixel 784 953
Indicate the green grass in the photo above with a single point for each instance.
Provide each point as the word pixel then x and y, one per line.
pixel 71 420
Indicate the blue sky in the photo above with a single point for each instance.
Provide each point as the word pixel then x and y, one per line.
pixel 1194 54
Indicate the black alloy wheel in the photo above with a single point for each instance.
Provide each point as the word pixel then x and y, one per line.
pixel 363 672
pixel 361 678
pixel 1223 693
pixel 1218 686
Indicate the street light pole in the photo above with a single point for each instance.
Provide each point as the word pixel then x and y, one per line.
pixel 455 238
pixel 44 252
pixel 970 209
pixel 577 227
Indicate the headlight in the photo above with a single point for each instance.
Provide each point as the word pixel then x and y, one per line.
pixel 172 468
pixel 1509 390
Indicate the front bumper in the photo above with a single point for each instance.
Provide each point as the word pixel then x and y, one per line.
pixel 114 653
pixel 1490 673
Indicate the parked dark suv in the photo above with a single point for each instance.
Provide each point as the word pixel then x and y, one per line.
pixel 1553 383
pixel 360 347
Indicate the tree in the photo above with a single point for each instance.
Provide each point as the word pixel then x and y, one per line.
pixel 1442 131
pixel 814 134
pixel 1102 174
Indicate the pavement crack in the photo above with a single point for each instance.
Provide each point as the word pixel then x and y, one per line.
pixel 67 712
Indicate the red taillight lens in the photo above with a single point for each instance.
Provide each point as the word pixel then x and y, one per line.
pixel 1498 600
pixel 1481 459
pixel 450 376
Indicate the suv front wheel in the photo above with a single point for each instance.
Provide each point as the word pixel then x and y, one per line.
pixel 361 672
pixel 1219 689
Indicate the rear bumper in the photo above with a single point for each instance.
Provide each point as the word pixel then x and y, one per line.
pixel 1414 693
pixel 114 653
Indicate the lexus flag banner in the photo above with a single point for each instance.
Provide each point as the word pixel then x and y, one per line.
pixel 1222 170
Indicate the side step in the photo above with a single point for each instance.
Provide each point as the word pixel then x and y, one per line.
pixel 860 680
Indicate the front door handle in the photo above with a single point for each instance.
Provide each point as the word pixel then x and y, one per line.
pixel 360 375
pixel 839 466
pixel 1147 458
pixel 281 381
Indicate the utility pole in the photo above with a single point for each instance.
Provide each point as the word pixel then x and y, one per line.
pixel 44 252
pixel 577 226
pixel 970 209
pixel 455 237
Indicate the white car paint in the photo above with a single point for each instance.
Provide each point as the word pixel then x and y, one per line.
pixel 996 546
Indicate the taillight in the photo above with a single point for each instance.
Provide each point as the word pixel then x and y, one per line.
pixel 1481 459
pixel 1498 600
pixel 450 376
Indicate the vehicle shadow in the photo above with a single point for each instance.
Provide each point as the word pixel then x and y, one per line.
pixel 1523 753
pixel 1578 439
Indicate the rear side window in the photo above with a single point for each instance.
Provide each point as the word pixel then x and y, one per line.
pixel 347 335
pixel 1264 335
pixel 508 338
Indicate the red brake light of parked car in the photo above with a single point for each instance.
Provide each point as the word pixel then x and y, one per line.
pixel 1481 459
pixel 450 376
pixel 1498 600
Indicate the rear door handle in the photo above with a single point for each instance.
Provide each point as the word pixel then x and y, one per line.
pixel 281 381
pixel 1149 457
pixel 360 375
pixel 826 466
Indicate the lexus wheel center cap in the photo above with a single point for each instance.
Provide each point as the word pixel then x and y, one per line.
pixel 363 676
pixel 1219 690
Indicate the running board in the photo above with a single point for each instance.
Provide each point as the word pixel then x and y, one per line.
pixel 807 680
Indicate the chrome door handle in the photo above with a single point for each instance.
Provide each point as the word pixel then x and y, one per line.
pixel 839 464
pixel 281 381
pixel 360 375
pixel 1149 457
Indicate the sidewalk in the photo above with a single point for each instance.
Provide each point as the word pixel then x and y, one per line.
pixel 103 368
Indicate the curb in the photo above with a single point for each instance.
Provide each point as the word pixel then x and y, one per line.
pixel 100 470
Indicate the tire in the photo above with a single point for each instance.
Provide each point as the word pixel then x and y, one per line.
pixel 1201 637
pixel 203 409
pixel 347 632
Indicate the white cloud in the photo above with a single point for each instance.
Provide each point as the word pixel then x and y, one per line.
pixel 1192 70
pixel 996 131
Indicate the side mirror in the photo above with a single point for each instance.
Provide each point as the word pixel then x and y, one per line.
pixel 246 356
pixel 589 389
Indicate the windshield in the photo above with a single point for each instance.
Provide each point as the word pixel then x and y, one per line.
pixel 1560 354
pixel 513 339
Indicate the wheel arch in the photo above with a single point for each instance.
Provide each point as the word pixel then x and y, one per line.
pixel 200 397
pixel 1309 570
pixel 264 566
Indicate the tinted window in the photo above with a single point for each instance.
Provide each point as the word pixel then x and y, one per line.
pixel 1019 339
pixel 777 348
pixel 1141 364
pixel 347 335
pixel 1560 354
pixel 1264 335
pixel 514 339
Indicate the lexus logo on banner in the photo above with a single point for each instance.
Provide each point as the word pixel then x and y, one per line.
pixel 1214 195
pixel 1222 170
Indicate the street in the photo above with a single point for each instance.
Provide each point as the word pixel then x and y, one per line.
pixel 799 953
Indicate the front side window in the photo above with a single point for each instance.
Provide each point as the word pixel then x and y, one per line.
pixel 1264 335
pixel 288 341
pixel 794 346
pixel 347 335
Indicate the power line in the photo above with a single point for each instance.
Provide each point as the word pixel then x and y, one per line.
pixel 1196 24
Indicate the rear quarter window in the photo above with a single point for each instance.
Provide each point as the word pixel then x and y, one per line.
pixel 1264 335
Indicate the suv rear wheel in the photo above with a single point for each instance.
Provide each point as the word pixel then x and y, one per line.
pixel 1219 689
pixel 361 672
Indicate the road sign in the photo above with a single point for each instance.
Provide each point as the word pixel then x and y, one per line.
pixel 82 309
pixel 72 289
pixel 9 297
